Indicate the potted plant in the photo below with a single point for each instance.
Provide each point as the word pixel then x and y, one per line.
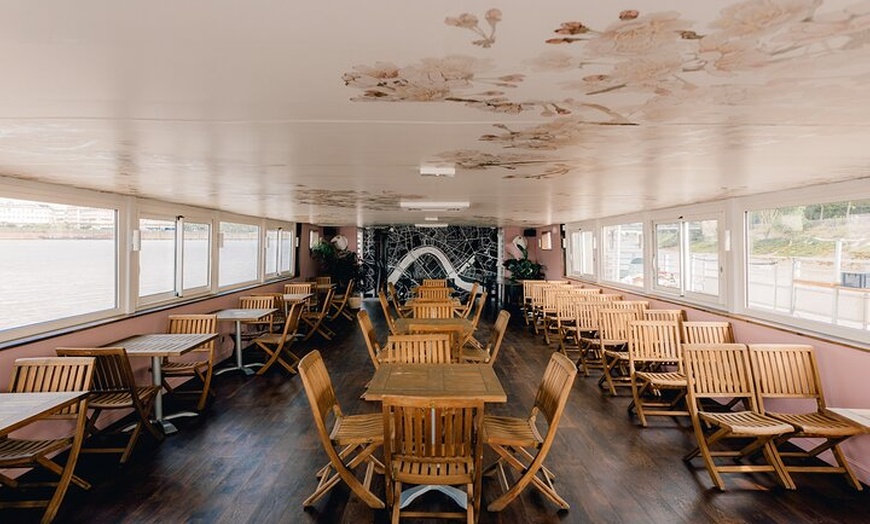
pixel 523 268
pixel 342 265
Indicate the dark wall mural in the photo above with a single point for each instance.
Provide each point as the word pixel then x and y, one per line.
pixel 405 255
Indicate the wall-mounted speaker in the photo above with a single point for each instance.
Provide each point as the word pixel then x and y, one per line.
pixel 530 232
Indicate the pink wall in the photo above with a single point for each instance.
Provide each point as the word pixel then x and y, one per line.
pixel 307 265
pixel 554 258
pixel 843 369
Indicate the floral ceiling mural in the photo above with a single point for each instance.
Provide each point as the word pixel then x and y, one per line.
pixel 642 69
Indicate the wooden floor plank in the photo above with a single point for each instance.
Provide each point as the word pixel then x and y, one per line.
pixel 253 457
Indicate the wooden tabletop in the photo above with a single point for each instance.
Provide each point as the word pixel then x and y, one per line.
pixel 297 297
pixel 244 315
pixel 437 381
pixel 407 325
pixel 163 344
pixel 20 409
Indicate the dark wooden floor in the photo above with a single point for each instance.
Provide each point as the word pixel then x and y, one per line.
pixel 253 457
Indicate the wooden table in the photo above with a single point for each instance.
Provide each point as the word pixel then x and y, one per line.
pixel 436 381
pixel 20 409
pixel 157 346
pixel 238 316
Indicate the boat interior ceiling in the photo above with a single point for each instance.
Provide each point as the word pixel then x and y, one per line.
pixel 530 113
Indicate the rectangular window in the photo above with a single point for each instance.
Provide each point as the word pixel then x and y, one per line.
pixel 811 262
pixel 582 256
pixel 240 245
pixel 623 253
pixel 272 251
pixel 156 257
pixel 285 264
pixel 196 251
pixel 687 257
pixel 702 269
pixel 669 255
pixel 56 261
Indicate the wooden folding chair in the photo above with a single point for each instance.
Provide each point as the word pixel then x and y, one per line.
pixel 388 317
pixel 566 321
pixel 42 375
pixel 339 307
pixel 655 364
pixel 666 315
pixel 277 345
pixel 432 309
pixel 431 348
pixel 469 303
pixel 586 332
pixel 613 342
pixel 371 339
pixel 469 337
pixel 264 325
pixel 357 437
pixel 788 372
pixel 698 332
pixel 315 319
pixel 512 438
pixel 723 371
pixel 302 288
pixel 488 353
pixel 114 387
pixel 434 282
pixel 435 443
pixel 202 368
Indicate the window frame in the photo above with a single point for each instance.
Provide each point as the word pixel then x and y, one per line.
pixel 260 262
pixel 602 251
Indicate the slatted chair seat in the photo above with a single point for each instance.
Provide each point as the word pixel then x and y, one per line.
pixel 511 431
pixel 747 423
pixel 444 472
pixel 277 345
pixel 358 429
pixel 315 319
pixel 669 379
pixel 822 424
pixel 19 452
pixel 120 399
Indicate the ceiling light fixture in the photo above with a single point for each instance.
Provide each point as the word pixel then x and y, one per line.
pixel 431 219
pixel 430 224
pixel 433 206
pixel 437 171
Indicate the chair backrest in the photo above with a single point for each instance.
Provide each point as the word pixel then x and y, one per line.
pixel 427 430
pixel 604 297
pixel 671 315
pixel 432 309
pixel 566 306
pixel 552 396
pixel 368 331
pixel 497 335
pixel 259 302
pixel 291 323
pixel 613 323
pixel 786 371
pixel 434 282
pixel 718 371
pixel 278 302
pixel 432 292
pixel 299 288
pixel 654 341
pixel 112 370
pixel 321 398
pixel 696 332
pixel 323 281
pixel 388 317
pixel 429 348
pixel 53 374
pixel 194 323
pixel 638 305
pixel 587 314
pixel 325 304
pixel 472 296
pixel 481 303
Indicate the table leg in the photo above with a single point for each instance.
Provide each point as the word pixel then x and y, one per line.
pixel 239 365
pixel 69 467
pixel 157 377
